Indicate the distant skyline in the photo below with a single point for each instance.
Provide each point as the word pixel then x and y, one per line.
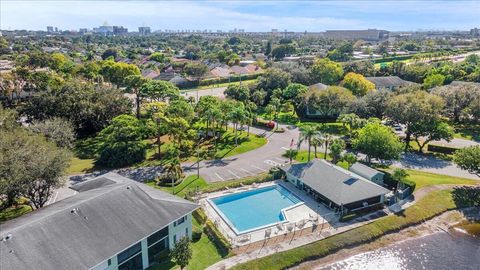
pixel 296 16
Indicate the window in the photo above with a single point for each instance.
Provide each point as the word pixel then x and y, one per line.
pixel 134 263
pixel 174 238
pixel 156 249
pixel 152 239
pixel 109 262
pixel 180 221
pixel 129 252
pixel 186 232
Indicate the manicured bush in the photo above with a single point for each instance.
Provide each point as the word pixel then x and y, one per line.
pixel 467 196
pixel 200 216
pixel 441 149
pixel 196 234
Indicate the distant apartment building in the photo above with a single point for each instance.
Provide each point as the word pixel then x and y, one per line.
pixel 83 31
pixel 119 30
pixel 144 30
pixel 475 32
pixel 368 35
pixel 103 30
pixel 50 29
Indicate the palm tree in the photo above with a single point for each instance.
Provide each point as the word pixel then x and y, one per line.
pixel 173 169
pixel 237 116
pixel 327 138
pixel 307 133
pixel 316 142
pixel 291 154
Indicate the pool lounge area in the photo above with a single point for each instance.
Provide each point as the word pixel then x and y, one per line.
pixel 254 213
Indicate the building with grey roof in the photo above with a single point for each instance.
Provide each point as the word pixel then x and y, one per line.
pixel 334 186
pixel 112 223
pixel 367 172
pixel 388 82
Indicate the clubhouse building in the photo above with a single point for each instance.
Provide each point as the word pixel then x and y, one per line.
pixel 334 186
pixel 112 223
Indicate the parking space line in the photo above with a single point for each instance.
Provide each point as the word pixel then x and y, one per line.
pixel 55 198
pixel 258 168
pixel 248 172
pixel 281 159
pixel 221 178
pixel 238 177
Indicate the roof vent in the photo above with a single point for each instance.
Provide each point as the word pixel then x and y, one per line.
pixel 74 211
pixel 129 187
pixel 7 237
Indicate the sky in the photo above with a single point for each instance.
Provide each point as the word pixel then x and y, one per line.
pixel 297 16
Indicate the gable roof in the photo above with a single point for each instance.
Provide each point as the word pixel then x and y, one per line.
pixel 337 184
pixel 364 170
pixel 318 86
pixel 388 81
pixel 109 214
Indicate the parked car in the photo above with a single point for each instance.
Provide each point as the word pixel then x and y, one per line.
pixel 271 124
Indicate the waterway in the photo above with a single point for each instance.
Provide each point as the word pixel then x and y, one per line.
pixel 455 250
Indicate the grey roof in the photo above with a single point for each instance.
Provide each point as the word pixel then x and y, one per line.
pixel 112 213
pixel 388 81
pixel 318 86
pixel 464 83
pixel 364 170
pixel 337 184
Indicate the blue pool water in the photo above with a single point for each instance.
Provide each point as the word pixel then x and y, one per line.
pixel 255 208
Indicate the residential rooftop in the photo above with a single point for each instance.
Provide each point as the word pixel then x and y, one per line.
pixel 109 214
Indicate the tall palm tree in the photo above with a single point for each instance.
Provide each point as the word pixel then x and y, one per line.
pixel 316 142
pixel 173 169
pixel 306 134
pixel 327 139
pixel 291 154
pixel 237 116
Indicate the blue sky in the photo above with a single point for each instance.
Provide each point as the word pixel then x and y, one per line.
pixel 249 15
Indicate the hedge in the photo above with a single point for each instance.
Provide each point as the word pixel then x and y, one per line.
pixel 200 216
pixel 441 149
pixel 216 237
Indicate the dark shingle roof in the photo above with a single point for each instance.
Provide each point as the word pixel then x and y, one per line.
pixel 364 170
pixel 111 213
pixel 388 81
pixel 335 183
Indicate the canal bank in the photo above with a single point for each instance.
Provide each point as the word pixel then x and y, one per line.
pixel 440 224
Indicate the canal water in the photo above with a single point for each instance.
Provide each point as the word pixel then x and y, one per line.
pixel 455 251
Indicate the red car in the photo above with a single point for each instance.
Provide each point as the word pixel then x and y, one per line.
pixel 271 124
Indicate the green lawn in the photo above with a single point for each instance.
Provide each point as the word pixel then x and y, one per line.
pixel 423 179
pixel 78 166
pixel 228 148
pixel 190 183
pixel 431 205
pixel 302 155
pixel 13 212
pixel 467 131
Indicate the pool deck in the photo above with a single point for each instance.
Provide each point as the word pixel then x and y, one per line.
pixel 301 219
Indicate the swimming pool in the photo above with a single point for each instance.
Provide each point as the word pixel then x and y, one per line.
pixel 254 209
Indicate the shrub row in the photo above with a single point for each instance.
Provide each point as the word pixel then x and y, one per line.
pixel 200 216
pixel 234 184
pixel 467 196
pixel 216 237
pixel 441 149
pixel 430 206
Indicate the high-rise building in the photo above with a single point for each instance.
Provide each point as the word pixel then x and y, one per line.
pixel 50 29
pixel 119 30
pixel 475 32
pixel 368 35
pixel 144 30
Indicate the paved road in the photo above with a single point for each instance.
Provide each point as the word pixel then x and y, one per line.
pixel 456 143
pixel 432 165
